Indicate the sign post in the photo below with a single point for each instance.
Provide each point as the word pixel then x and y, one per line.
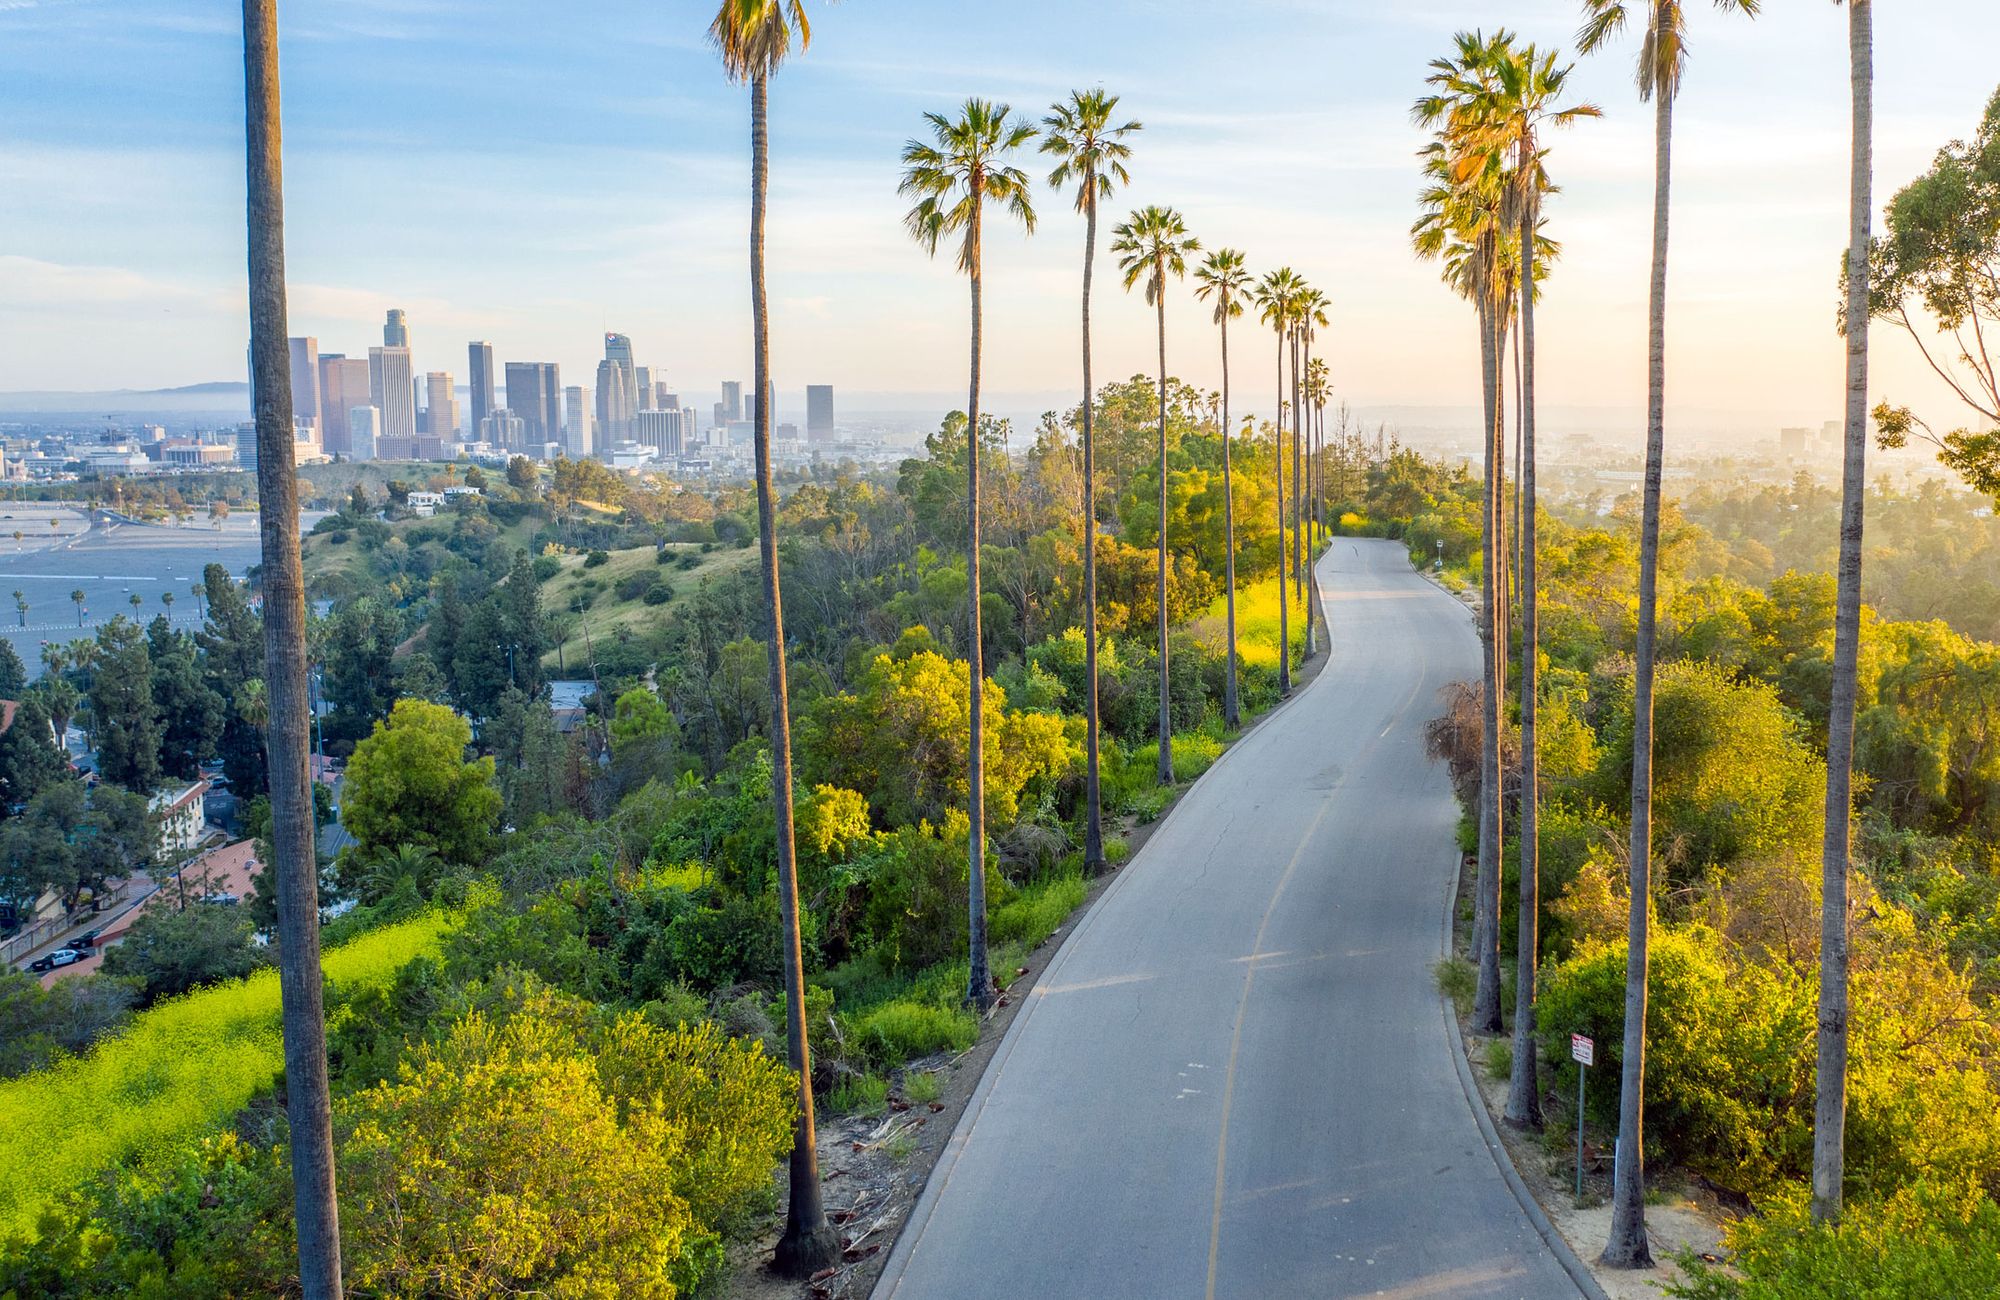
pixel 1584 1052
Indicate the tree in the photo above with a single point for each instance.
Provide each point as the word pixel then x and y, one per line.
pixel 1091 152
pixel 1311 316
pixel 359 661
pixel 409 783
pixel 755 38
pixel 301 984
pixel 77 598
pixel 30 759
pixel 122 709
pixel 170 951
pixel 1662 61
pixel 1151 245
pixel 1277 297
pixel 1830 1103
pixel 231 642
pixel 13 673
pixel 1222 276
pixel 190 712
pixel 21 602
pixel 953 177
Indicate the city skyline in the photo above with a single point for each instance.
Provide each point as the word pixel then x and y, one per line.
pixel 1320 174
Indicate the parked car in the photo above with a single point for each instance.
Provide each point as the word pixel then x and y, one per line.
pixel 221 899
pixel 85 941
pixel 60 957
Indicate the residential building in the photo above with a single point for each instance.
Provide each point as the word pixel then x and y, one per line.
pixel 425 504
pixel 819 412
pixel 182 812
pixel 480 357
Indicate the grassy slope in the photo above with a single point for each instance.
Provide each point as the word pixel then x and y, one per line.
pixel 609 613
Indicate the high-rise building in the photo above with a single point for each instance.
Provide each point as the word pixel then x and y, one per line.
pixel 667 432
pixel 732 401
pixel 614 406
pixel 819 412
pixel 576 422
pixel 396 329
pixel 246 446
pixel 364 428
pixel 664 400
pixel 343 385
pixel 441 401
pixel 534 392
pixel 642 382
pixel 392 391
pixel 480 356
pixel 305 379
pixel 721 420
pixel 618 348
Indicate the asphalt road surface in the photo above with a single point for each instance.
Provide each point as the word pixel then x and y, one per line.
pixel 1236 1080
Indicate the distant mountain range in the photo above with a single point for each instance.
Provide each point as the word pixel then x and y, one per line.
pixel 216 398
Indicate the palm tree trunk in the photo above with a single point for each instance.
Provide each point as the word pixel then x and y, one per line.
pixel 979 983
pixel 308 1103
pixel 1232 712
pixel 1524 1101
pixel 1302 464
pixel 1166 766
pixel 1830 1107
pixel 1299 497
pixel 808 1244
pixel 1628 1246
pixel 1093 797
pixel 1520 421
pixel 1284 612
pixel 1486 1014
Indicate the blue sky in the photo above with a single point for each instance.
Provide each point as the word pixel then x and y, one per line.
pixel 534 174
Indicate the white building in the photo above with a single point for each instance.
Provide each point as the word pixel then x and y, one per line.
pixel 183 816
pixel 425 504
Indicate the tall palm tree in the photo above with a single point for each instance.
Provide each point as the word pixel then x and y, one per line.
pixel 1151 245
pixel 953 176
pixel 21 607
pixel 1312 316
pixel 1277 296
pixel 77 598
pixel 1090 152
pixel 1830 1108
pixel 1662 62
pixel 1223 278
pixel 754 38
pixel 308 1103
pixel 1524 97
pixel 1319 387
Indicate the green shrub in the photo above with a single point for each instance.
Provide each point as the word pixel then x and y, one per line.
pixel 905 1029
pixel 659 593
pixel 861 1094
pixel 596 558
pixel 1458 980
pixel 921 1087
pixel 1034 913
pixel 1194 753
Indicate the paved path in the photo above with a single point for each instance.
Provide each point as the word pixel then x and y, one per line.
pixel 1236 1078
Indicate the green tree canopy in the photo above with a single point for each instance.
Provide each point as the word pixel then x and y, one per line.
pixel 409 783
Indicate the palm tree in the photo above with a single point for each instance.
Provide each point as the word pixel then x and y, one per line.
pixel 1277 297
pixel 1312 314
pixel 135 600
pixel 953 177
pixel 1526 87
pixel 77 598
pixel 1319 387
pixel 754 38
pixel 21 607
pixel 1151 245
pixel 167 599
pixel 300 982
pixel 1662 61
pixel 1830 1108
pixel 200 594
pixel 1092 153
pixel 253 703
pixel 1222 277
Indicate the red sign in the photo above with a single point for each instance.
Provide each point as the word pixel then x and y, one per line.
pixel 1582 1049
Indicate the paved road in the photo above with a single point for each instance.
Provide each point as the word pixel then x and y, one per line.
pixel 1235 1080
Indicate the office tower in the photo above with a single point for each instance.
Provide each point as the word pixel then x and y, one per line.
pixel 503 429
pixel 442 403
pixel 664 431
pixel 664 400
pixel 534 392
pixel 732 401
pixel 392 391
pixel 364 429
pixel 396 330
pixel 343 385
pixel 614 406
pixel 819 412
pixel 721 418
pixel 246 446
pixel 576 422
pixel 481 358
pixel 642 383
pixel 305 379
pixel 618 348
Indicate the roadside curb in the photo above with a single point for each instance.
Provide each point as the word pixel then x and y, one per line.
pixel 1558 1245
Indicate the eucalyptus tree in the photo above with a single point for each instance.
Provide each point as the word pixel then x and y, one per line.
pixel 1223 278
pixel 1525 102
pixel 754 38
pixel 952 177
pixel 1151 245
pixel 1662 63
pixel 1277 297
pixel 1090 153
pixel 1829 1167
pixel 301 984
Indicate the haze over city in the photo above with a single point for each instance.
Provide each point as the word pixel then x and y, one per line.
pixel 537 176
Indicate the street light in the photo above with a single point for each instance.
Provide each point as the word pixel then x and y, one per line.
pixel 1440 560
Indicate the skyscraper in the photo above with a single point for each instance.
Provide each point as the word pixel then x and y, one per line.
pixel 667 432
pixel 576 422
pixel 642 382
pixel 534 392
pixel 392 391
pixel 614 406
pixel 732 399
pixel 618 348
pixel 819 412
pixel 396 329
pixel 343 385
pixel 481 373
pixel 305 379
pixel 364 427
pixel 441 400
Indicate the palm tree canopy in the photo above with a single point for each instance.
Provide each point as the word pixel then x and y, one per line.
pixel 754 37
pixel 1277 298
pixel 1312 311
pixel 961 168
pixel 1087 148
pixel 1151 245
pixel 1663 51
pixel 1223 277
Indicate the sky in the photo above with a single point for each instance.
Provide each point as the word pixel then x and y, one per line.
pixel 534 174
